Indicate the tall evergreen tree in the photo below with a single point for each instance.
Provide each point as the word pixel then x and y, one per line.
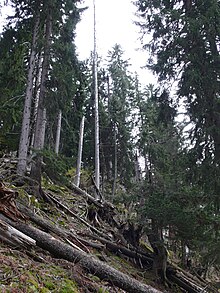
pixel 184 47
pixel 166 197
pixel 121 92
pixel 63 78
pixel 14 50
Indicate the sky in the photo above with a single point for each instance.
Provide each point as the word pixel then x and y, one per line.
pixel 114 24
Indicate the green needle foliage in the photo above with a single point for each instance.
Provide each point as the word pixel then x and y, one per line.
pixel 184 48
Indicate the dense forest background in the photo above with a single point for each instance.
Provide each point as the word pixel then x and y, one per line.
pixel 159 145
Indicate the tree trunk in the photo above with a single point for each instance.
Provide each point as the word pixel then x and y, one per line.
pixel 96 109
pixel 36 166
pixel 80 148
pixel 137 168
pixel 160 253
pixel 40 122
pixel 25 130
pixel 12 236
pixel 115 163
pixel 57 144
pixel 36 93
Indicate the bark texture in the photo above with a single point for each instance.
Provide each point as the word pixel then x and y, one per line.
pixel 96 109
pixel 57 144
pixel 25 129
pixel 80 148
pixel 41 112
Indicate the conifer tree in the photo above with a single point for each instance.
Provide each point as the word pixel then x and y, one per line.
pixel 62 82
pixel 14 51
pixel 119 106
pixel 184 48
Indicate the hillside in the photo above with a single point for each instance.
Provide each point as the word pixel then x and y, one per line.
pixel 65 241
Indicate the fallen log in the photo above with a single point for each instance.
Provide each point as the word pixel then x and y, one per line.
pixel 119 249
pixel 85 195
pixel 141 258
pixel 52 227
pixel 66 209
pixel 9 208
pixel 12 236
pixel 190 278
pixel 138 256
pixel 100 204
pixel 91 244
pixel 172 273
pixel 87 261
pixel 190 288
pixel 44 224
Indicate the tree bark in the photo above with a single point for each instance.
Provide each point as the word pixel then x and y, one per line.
pixel 96 110
pixel 12 236
pixel 40 122
pixel 160 253
pixel 25 129
pixel 80 148
pixel 115 162
pixel 57 144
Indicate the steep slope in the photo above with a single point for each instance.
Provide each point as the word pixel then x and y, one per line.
pixel 71 243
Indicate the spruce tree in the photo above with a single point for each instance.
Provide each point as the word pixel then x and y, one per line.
pixel 184 48
pixel 121 90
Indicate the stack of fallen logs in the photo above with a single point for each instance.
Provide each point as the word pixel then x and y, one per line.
pixel 16 229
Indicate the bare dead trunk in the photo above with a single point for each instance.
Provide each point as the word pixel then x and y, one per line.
pixel 25 129
pixel 80 148
pixel 57 144
pixel 40 122
pixel 13 236
pixel 96 109
pixel 115 164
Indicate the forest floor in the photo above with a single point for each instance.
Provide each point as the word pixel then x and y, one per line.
pixel 34 269
pixel 67 218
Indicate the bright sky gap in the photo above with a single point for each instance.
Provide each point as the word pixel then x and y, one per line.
pixel 114 24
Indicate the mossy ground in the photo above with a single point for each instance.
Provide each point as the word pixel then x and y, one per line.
pixel 20 273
